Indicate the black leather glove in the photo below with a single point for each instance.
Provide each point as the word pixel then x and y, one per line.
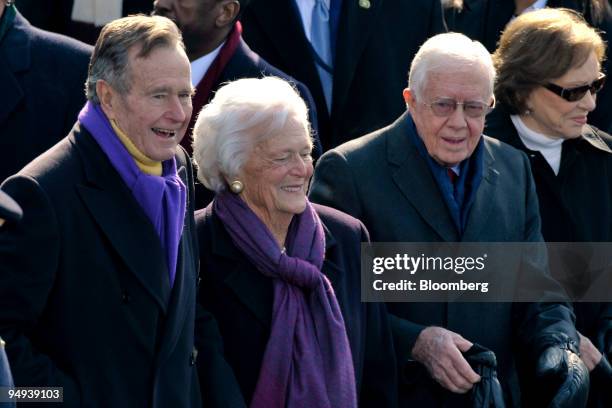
pixel 488 392
pixel 562 379
pixel 601 383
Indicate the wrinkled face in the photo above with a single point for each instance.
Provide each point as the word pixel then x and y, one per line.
pixel 195 18
pixel 450 139
pixel 555 117
pixel 155 113
pixel 276 175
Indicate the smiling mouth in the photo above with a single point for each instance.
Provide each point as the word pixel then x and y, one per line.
pixel 293 189
pixel 167 133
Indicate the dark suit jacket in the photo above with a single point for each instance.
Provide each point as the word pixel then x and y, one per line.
pixel 382 179
pixel 374 50
pixel 42 78
pixel 247 64
pixel 85 299
pixel 484 20
pixel 241 299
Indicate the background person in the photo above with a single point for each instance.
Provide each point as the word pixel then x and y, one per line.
pixel 282 276
pixel 549 73
pixel 351 54
pixel 41 77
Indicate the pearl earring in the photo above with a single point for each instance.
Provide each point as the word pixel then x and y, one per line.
pixel 236 186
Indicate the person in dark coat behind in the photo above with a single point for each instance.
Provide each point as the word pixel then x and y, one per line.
pixel 370 44
pixel 549 73
pixel 280 275
pixel 42 76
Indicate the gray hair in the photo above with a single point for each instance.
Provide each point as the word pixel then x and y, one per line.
pixel 444 52
pixel 243 114
pixel 109 61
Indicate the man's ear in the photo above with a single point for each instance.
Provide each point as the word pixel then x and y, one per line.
pixel 229 11
pixel 409 98
pixel 108 98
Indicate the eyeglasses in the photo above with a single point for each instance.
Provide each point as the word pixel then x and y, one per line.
pixel 444 107
pixel 577 93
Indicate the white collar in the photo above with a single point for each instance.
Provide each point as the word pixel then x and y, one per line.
pixel 200 66
pixel 549 147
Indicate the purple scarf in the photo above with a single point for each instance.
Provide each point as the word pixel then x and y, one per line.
pixel 161 197
pixel 308 360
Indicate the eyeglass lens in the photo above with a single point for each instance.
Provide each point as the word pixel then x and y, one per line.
pixel 445 107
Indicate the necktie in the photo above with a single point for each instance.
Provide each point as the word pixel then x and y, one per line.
pixel 321 47
pixel 452 176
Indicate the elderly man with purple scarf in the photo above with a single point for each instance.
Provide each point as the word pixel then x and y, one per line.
pixel 98 281
pixel 281 275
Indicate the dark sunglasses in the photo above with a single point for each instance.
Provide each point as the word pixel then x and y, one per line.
pixel 575 94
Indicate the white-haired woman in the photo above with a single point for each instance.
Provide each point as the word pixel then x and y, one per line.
pixel 281 275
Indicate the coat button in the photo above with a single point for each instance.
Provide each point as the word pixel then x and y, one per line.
pixel 194 357
pixel 125 297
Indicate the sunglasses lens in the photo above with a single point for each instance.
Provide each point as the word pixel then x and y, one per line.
pixel 575 94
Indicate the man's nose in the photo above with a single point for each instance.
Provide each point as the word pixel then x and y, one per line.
pixel 457 117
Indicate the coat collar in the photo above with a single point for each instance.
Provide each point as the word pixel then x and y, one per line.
pixel 252 288
pixel 118 215
pixel 414 179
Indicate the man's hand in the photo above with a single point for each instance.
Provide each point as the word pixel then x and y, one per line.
pixel 588 353
pixel 440 351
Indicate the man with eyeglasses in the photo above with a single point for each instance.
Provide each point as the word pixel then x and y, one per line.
pixel 431 176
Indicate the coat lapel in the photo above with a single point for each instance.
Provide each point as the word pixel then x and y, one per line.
pixel 122 220
pixel 415 181
pixel 355 26
pixel 249 285
pixel 183 291
pixel 14 58
pixel 481 209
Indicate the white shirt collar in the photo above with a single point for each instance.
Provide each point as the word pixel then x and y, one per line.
pixel 549 148
pixel 200 66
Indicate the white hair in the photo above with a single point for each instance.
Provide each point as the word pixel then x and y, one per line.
pixel 445 53
pixel 242 114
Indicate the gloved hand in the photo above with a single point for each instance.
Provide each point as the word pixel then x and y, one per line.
pixel 487 393
pixel 562 378
pixel 601 378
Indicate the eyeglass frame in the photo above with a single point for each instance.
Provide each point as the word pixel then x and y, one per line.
pixel 565 93
pixel 487 108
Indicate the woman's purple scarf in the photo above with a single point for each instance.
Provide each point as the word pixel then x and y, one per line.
pixel 308 361
pixel 161 197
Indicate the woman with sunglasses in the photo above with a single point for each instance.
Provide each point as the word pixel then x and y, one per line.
pixel 549 72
